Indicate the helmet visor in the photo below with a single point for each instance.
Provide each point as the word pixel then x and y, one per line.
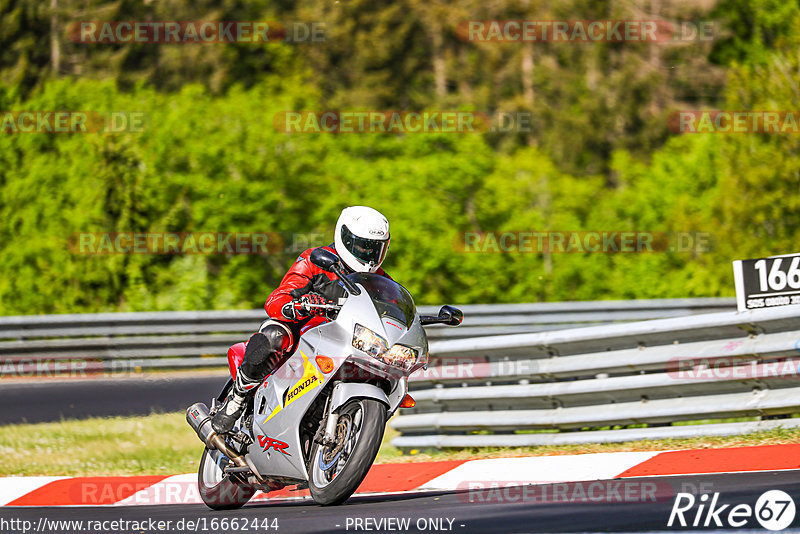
pixel 364 249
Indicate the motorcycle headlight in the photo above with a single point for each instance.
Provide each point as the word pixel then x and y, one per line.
pixel 377 347
pixel 400 356
pixel 368 341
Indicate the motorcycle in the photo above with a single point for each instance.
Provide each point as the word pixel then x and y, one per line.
pixel 318 420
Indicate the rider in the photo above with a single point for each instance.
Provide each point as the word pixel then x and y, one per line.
pixel 361 240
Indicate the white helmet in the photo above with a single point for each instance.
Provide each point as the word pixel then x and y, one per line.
pixel 362 238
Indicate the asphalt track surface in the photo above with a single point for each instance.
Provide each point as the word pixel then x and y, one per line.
pixel 469 512
pixel 79 398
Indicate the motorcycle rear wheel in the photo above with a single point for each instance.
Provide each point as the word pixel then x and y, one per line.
pixel 337 470
pixel 218 490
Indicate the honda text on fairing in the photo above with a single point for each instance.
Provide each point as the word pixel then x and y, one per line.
pixel 318 420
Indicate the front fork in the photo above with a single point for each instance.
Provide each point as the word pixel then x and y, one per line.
pixel 330 428
pixel 326 434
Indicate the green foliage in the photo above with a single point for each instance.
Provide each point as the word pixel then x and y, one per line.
pixel 598 159
pixel 433 187
pixel 586 100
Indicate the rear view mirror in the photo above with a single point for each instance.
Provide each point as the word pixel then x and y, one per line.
pixel 450 316
pixel 324 259
pixel 447 315
pixel 328 261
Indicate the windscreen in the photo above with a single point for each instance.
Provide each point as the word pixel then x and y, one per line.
pixel 390 298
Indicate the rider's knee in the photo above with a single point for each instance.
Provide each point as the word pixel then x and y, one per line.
pixel 278 339
pixel 266 350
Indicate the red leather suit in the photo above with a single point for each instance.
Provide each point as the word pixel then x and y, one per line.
pixel 299 275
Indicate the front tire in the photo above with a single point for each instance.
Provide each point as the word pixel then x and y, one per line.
pixel 337 470
pixel 218 490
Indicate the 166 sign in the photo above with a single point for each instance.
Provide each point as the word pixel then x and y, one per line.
pixel 767 282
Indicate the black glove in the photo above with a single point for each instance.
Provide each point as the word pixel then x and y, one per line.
pixel 321 284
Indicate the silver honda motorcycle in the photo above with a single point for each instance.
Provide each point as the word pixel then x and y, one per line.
pixel 318 420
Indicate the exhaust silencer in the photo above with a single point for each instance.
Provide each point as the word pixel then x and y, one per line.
pixel 199 418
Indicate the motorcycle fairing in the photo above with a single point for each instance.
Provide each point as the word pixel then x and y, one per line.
pixel 285 397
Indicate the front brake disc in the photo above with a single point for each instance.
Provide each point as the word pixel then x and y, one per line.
pixel 342 431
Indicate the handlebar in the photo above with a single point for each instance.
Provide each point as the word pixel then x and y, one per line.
pixel 321 306
pixel 307 307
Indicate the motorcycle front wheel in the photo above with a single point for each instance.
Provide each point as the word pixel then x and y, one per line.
pixel 218 490
pixel 337 469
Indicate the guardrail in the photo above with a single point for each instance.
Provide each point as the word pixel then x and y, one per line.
pixel 610 383
pixel 512 374
pixel 120 341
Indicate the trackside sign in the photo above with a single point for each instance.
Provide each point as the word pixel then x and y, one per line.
pixel 767 282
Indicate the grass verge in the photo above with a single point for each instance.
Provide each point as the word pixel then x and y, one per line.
pixel 164 444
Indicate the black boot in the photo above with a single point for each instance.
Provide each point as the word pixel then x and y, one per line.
pixel 232 408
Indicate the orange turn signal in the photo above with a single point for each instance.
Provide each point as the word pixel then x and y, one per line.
pixel 408 402
pixel 325 364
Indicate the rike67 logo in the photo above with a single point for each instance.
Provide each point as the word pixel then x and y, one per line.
pixel 774 510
